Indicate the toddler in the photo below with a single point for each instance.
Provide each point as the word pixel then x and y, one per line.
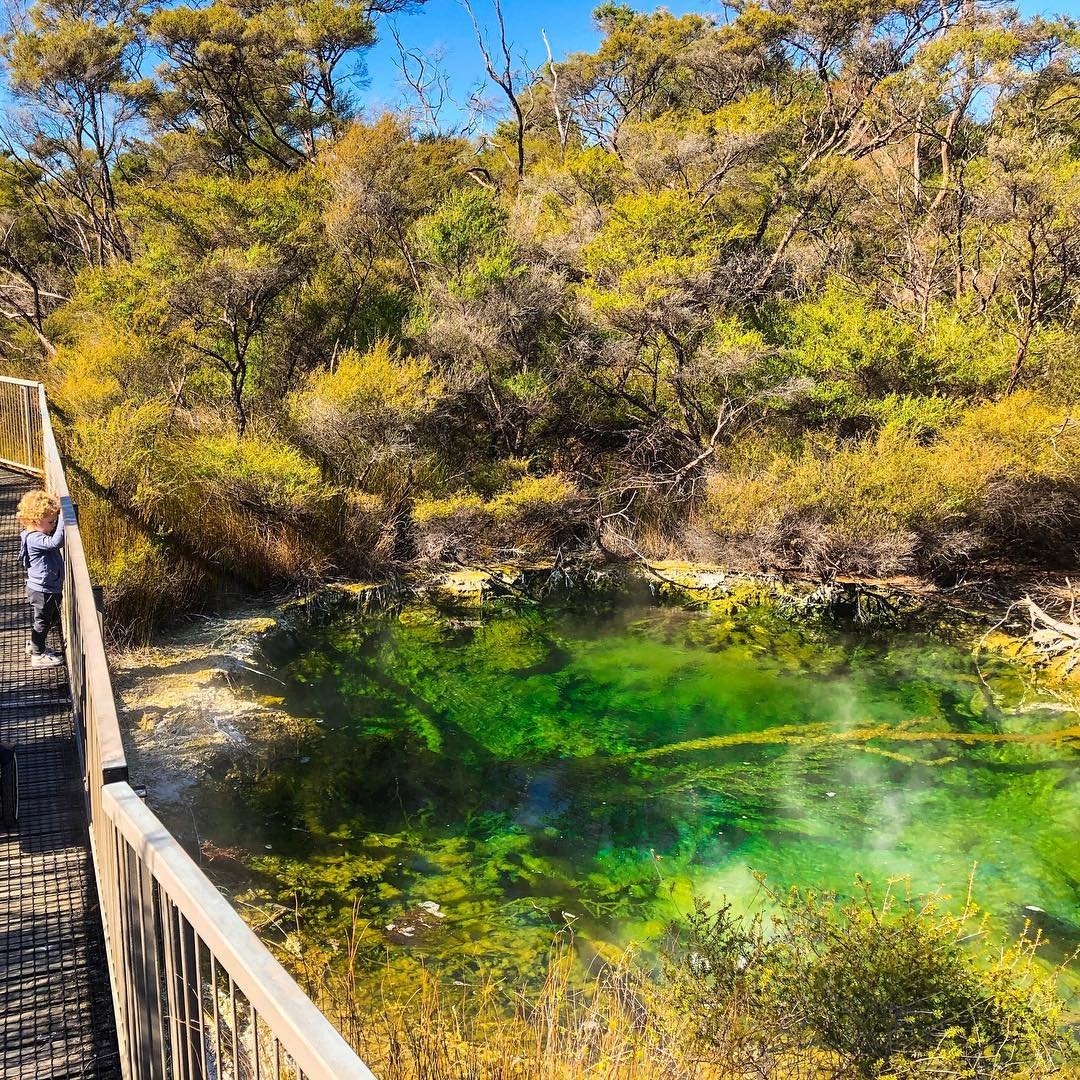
pixel 41 540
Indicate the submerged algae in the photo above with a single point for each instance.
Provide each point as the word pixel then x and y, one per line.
pixel 596 767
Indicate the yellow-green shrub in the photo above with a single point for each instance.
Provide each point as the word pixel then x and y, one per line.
pixel 118 450
pixel 454 527
pixel 364 410
pixel 266 477
pixel 1007 476
pixel 537 513
pixel 251 506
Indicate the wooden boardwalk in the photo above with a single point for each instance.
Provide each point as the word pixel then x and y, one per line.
pixel 56 1013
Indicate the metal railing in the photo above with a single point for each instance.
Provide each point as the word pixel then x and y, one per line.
pixel 20 424
pixel 196 994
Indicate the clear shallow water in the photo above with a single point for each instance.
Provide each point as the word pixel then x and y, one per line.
pixel 529 769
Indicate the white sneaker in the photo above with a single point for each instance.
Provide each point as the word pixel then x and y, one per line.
pixel 45 660
pixel 29 650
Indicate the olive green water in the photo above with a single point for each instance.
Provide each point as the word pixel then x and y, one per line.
pixel 529 769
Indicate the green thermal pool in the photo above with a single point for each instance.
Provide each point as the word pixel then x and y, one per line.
pixel 526 770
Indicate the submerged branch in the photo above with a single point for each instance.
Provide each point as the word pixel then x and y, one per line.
pixel 809 735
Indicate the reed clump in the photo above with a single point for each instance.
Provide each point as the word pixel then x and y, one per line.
pixel 878 985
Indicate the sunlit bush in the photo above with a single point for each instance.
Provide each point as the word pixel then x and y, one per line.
pixel 467 224
pixel 363 411
pixel 117 449
pixel 876 986
pixel 252 507
pixel 537 513
pixel 451 528
pixel 266 477
pixel 1005 476
pixel 534 515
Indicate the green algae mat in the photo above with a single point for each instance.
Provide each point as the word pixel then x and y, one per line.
pixel 465 787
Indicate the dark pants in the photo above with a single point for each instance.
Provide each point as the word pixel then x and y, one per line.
pixel 46 611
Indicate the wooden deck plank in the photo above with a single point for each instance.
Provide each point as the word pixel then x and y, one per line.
pixel 56 1016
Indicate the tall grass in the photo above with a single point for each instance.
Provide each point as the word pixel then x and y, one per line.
pixel 876 986
pixel 615 1024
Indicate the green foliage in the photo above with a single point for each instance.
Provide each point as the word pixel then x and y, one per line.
pixel 850 350
pixel 530 495
pixel 537 513
pixel 258 81
pixel 468 225
pixel 533 515
pixel 1001 476
pixel 251 507
pixel 646 228
pixel 877 987
pixel 266 477
pixel 743 262
pixel 365 410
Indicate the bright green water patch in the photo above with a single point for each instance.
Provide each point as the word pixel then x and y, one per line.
pixel 525 770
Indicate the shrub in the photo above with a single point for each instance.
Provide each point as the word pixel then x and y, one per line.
pixel 886 989
pixel 1004 478
pixel 364 411
pixel 923 418
pixel 867 988
pixel 144 581
pixel 253 507
pixel 851 350
pixel 117 450
pixel 265 477
pixel 467 224
pixel 451 528
pixel 537 513
pixel 367 530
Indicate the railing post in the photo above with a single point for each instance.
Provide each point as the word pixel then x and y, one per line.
pixel 28 429
pixel 99 604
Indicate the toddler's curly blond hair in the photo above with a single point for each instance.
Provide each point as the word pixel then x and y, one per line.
pixel 34 505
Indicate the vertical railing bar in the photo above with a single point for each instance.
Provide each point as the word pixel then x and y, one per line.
pixel 133 975
pixel 176 1057
pixel 5 393
pixel 152 975
pixel 232 1001
pixel 133 953
pixel 183 989
pixel 217 1014
pixel 26 418
pixel 122 928
pixel 189 955
pixel 199 1004
pixel 255 1040
pixel 277 1058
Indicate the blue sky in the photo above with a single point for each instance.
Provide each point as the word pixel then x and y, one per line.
pixel 444 25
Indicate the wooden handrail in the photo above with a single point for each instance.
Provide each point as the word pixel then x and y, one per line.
pixel 316 1047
